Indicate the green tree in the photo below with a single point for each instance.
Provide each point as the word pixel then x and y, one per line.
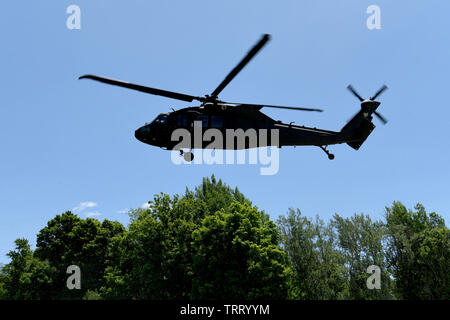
pixel 361 242
pixel 237 255
pixel 171 249
pixel 3 291
pixel 69 240
pixel 317 264
pixel 152 260
pixel 418 252
pixel 25 277
pixel 216 195
pixel 212 243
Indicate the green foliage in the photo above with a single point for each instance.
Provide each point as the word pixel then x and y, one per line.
pixel 216 195
pixel 237 255
pixel 3 290
pixel 361 245
pixel 419 252
pixel 317 264
pixel 155 249
pixel 176 249
pixel 92 295
pixel 211 243
pixel 3 278
pixel 25 277
pixel 69 240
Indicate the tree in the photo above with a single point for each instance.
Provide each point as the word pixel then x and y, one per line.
pixel 69 240
pixel 212 243
pixel 152 260
pixel 361 244
pixel 3 291
pixel 172 249
pixel 25 277
pixel 237 255
pixel 418 252
pixel 317 264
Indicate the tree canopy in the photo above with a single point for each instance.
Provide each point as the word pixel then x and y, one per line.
pixel 213 243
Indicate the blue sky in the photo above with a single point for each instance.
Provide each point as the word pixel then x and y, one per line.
pixel 68 144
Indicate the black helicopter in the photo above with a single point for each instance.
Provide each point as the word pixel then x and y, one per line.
pixel 217 114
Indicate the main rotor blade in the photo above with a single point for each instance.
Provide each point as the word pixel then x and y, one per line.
pixel 383 119
pixel 356 94
pixel 241 65
pixel 259 106
pixel 159 92
pixel 382 89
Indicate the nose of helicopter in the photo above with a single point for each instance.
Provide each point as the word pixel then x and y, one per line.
pixel 142 133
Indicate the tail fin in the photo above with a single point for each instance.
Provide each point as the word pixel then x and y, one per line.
pixel 358 129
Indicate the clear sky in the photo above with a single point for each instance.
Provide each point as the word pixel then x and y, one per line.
pixel 65 142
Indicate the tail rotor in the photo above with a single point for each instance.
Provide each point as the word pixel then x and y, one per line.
pixel 369 106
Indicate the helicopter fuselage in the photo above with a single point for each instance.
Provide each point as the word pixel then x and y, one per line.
pixel 232 122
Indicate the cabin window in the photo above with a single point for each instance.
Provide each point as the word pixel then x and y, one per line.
pixel 204 120
pixel 216 122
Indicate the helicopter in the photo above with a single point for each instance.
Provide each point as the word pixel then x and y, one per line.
pixel 213 113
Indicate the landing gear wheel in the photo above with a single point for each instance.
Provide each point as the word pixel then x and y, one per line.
pixel 188 156
pixel 330 155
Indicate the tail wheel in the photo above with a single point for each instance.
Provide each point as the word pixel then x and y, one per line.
pixel 330 155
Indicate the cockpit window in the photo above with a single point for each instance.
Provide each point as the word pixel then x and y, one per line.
pixel 161 118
